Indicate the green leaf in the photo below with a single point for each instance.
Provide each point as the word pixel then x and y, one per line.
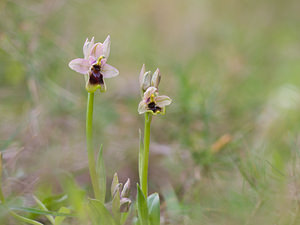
pixel 76 195
pixel 154 209
pixel 116 204
pixel 9 202
pixel 24 219
pixel 99 214
pixel 124 217
pixel 40 212
pixel 60 219
pixel 55 201
pixel 136 221
pixel 101 175
pixel 174 207
pixel 43 207
pixel 142 207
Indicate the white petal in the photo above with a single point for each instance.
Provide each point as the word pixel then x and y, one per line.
pixel 162 101
pixel 157 72
pixel 106 47
pixel 109 71
pixel 92 60
pixel 80 65
pixel 155 78
pixel 146 83
pixel 87 47
pixel 141 77
pixel 149 92
pixel 97 50
pixel 143 107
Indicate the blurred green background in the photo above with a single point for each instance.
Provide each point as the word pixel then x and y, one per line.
pixel 226 152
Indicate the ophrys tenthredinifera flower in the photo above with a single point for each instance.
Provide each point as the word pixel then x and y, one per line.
pixel 94 65
pixel 153 103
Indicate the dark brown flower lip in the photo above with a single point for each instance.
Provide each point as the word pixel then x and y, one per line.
pixel 96 77
pixel 96 67
pixel 152 106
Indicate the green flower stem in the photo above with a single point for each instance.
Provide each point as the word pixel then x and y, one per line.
pixel 1 192
pixel 145 155
pixel 89 144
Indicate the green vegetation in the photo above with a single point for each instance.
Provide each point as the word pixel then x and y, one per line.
pixel 227 151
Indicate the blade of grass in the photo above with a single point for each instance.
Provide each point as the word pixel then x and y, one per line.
pixel 25 220
pixel 40 212
pixel 43 207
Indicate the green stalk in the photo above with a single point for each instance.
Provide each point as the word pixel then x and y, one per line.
pixel 89 144
pixel 145 155
pixel 1 192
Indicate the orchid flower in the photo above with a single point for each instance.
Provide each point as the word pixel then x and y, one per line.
pixel 93 66
pixel 153 103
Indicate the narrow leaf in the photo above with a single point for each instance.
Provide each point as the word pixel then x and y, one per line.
pixel 174 207
pixel 116 204
pixel 154 209
pixel 101 174
pixel 76 195
pixel 142 207
pixel 40 212
pixel 136 221
pixel 99 214
pixel 43 207
pixel 24 219
pixel 60 219
pixel 124 217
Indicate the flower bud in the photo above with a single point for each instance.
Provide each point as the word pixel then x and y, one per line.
pixel 114 184
pixel 146 81
pixel 120 197
pixel 126 189
pixel 125 204
pixel 155 78
pixel 117 189
pixel 141 76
